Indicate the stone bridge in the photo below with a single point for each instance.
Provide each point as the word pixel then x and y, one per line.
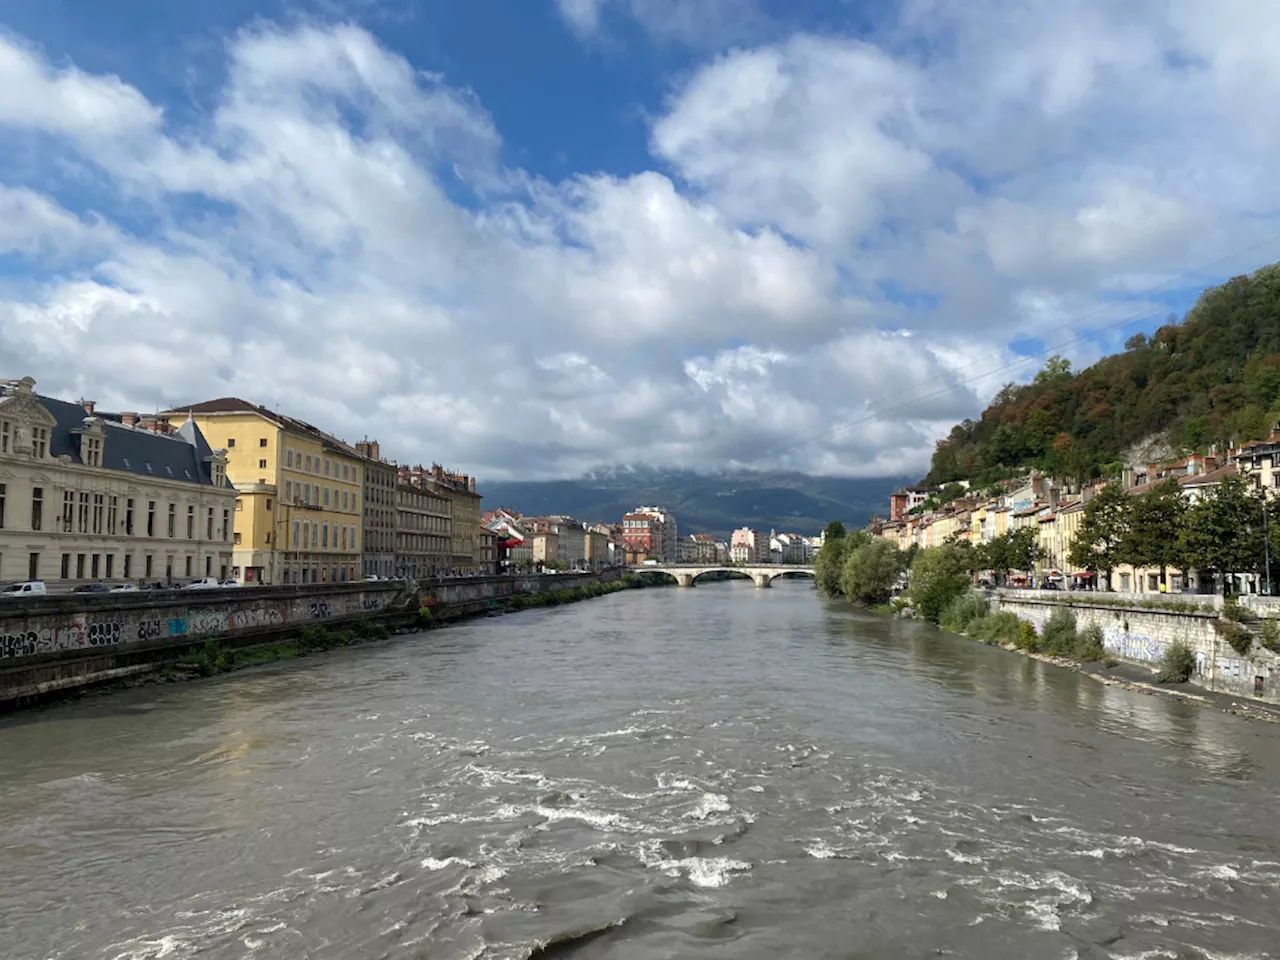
pixel 686 573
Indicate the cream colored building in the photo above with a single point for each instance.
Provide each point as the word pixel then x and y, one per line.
pixel 88 496
pixel 299 515
pixel 464 511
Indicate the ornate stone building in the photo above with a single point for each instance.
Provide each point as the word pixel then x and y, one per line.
pixel 379 530
pixel 88 496
pixel 424 531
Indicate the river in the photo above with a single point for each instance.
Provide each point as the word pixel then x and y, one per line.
pixel 716 772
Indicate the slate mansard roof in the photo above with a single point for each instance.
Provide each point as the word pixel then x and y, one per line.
pixel 184 456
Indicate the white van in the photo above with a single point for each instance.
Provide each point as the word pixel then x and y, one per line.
pixel 31 588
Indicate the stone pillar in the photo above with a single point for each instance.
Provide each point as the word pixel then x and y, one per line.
pixel 684 579
pixel 762 579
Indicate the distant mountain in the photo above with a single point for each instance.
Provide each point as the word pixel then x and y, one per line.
pixel 703 503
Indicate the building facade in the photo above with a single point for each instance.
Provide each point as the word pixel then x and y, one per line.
pixel 748 546
pixel 298 518
pixel 464 511
pixel 378 529
pixel 88 497
pixel 424 531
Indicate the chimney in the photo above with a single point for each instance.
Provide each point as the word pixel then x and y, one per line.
pixel 473 484
pixel 129 419
pixel 88 406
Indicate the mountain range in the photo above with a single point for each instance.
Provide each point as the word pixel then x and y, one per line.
pixel 703 503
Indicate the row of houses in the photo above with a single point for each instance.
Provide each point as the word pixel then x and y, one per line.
pixel 224 488
pixel 1055 508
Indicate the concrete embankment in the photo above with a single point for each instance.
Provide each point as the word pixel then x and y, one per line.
pixel 53 645
pixel 1142 633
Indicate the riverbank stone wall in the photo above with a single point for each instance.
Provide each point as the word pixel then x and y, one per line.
pixel 1142 635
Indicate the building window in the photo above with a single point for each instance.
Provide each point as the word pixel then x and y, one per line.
pixel 39 442
pixel 98 506
pixel 288 458
pixel 191 522
pixel 37 508
pixel 226 524
pixel 2 497
pixel 82 514
pixel 231 442
pixel 288 491
pixel 4 436
pixel 79 566
pixel 239 505
pixel 173 520
pixel 188 566
pixel 93 451
pixel 308 463
pixel 113 510
pixel 267 537
pixel 296 525
pixel 111 565
pixel 262 442
pixel 262 464
pixel 326 466
pixel 326 496
pixel 149 565
pixel 128 565
pixel 237 540
pixel 208 525
pixel 93 566
pixel 128 517
pixel 324 536
pixel 268 504
pixel 208 566
pixel 66 566
pixel 151 519
pixel 345 504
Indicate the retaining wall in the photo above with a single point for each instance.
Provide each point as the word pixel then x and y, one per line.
pixel 56 643
pixel 1142 635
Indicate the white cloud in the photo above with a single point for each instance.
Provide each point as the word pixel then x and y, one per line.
pixel 339 237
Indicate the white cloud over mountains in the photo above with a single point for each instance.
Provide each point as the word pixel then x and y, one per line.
pixel 836 234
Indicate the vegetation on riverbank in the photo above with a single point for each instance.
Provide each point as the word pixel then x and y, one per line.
pixel 555 598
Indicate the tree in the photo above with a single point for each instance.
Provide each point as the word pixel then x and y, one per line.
pixel 834 531
pixel 1223 531
pixel 938 576
pixel 828 565
pixel 870 572
pixel 1156 519
pixel 1016 550
pixel 1056 368
pixel 1102 531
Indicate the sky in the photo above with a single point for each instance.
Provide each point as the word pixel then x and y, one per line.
pixel 528 238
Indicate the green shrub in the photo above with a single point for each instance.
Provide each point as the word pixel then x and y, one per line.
pixel 313 637
pixel 1177 664
pixel 1240 639
pixel 1059 635
pixel 1028 639
pixel 964 610
pixel 997 628
pixel 1232 610
pixel 366 629
pixel 1089 647
pixel 1270 631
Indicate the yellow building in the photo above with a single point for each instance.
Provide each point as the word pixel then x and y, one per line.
pixel 298 512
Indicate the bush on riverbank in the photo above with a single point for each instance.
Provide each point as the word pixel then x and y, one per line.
pixel 1239 639
pixel 553 598
pixel 1178 663
pixel 963 611
pixel 997 629
pixel 939 576
pixel 1059 635
pixel 1089 648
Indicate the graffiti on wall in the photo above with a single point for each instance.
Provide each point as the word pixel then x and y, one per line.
pixel 81 633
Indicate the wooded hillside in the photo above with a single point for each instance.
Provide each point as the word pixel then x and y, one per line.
pixel 1213 378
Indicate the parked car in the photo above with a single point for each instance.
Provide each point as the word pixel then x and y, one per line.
pixel 125 588
pixel 204 583
pixel 28 588
pixel 98 587
pixel 229 583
